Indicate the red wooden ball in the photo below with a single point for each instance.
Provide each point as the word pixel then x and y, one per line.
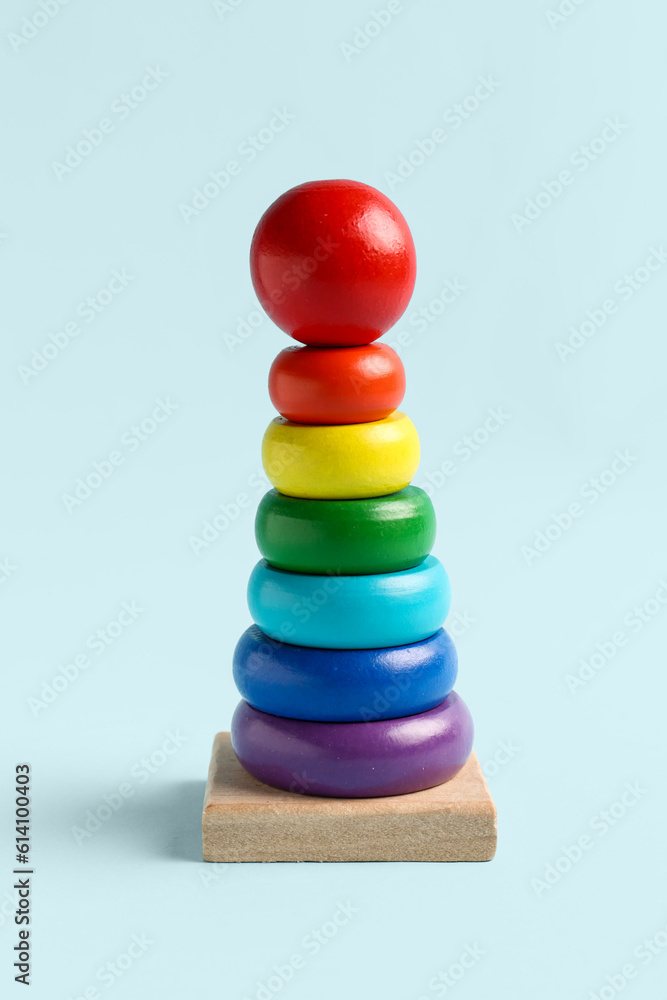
pixel 333 263
pixel 334 385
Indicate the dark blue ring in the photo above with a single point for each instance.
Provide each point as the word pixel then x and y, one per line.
pixel 344 685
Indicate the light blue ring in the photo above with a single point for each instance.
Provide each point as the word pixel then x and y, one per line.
pixel 350 612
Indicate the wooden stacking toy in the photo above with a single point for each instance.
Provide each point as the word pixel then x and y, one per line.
pixel 353 743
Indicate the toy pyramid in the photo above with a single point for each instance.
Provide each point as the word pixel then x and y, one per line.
pixel 352 743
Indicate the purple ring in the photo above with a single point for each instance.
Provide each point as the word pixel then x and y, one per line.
pixel 354 760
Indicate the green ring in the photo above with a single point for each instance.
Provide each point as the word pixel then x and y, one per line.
pixel 347 537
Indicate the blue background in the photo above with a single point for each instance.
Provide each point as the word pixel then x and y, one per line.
pixel 525 621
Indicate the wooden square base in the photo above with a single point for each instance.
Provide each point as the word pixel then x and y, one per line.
pixel 245 820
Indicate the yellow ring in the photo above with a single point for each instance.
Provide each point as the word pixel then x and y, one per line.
pixel 343 461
